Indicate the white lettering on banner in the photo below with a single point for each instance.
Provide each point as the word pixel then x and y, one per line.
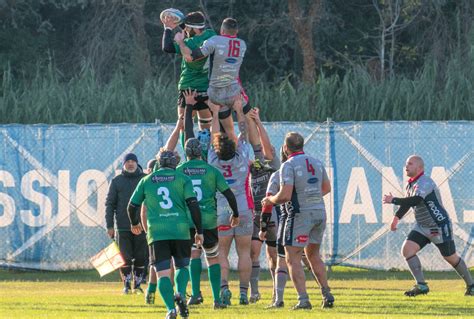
pixel 358 183
pixel 439 176
pixel 88 215
pixel 64 198
pixel 7 202
pixel 43 201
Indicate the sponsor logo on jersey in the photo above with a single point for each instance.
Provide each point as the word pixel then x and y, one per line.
pixel 158 179
pixel 313 180
pixel 194 171
pixel 434 209
pixel 302 239
pixel 231 60
pixel 230 181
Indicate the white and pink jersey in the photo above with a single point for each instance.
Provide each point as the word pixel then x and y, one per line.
pixel 236 172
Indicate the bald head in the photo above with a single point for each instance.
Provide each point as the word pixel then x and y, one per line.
pixel 294 142
pixel 414 165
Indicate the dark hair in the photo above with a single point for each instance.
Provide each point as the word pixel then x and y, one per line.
pixel 230 26
pixel 223 146
pixel 294 142
pixel 151 164
pixel 195 19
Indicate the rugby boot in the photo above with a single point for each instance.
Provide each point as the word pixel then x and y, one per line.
pixel 254 298
pixel 469 291
pixel 328 298
pixel 181 305
pixel 418 289
pixel 226 295
pixel 302 305
pixel 219 305
pixel 171 314
pixel 276 304
pixel 196 300
pixel 243 300
pixel 150 298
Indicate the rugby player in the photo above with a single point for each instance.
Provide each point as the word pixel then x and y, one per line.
pixel 433 225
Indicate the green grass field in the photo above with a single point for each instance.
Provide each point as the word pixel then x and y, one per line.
pixel 359 294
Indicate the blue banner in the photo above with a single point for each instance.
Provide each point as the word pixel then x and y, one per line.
pixel 54 180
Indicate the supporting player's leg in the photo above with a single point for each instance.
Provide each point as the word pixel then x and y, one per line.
pixel 256 246
pixel 319 270
pixel 151 289
pixel 272 258
pixel 224 248
pixel 244 266
pixel 293 260
pixel 214 274
pixel 458 264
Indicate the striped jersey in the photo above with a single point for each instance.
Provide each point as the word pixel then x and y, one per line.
pixel 226 54
pixel 429 212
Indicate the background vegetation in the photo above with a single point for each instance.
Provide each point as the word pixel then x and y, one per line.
pixel 85 61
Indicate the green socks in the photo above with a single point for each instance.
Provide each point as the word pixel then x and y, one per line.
pixel 166 292
pixel 181 279
pixel 214 272
pixel 151 287
pixel 195 273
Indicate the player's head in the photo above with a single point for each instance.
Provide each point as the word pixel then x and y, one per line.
pixel 193 148
pixel 294 142
pixel 167 159
pixel 223 146
pixel 194 23
pixel 414 165
pixel 150 166
pixel 229 26
pixel 130 163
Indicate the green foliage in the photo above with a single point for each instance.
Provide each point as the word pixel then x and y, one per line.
pixel 354 96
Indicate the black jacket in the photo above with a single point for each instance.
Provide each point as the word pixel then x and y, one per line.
pixel 120 190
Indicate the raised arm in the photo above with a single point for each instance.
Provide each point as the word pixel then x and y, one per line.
pixel 167 44
pixel 188 114
pixel 174 137
pixel 188 55
pixel 267 147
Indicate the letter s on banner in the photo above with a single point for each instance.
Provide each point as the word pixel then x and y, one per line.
pixel 8 214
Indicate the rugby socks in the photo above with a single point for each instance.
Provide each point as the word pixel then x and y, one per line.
pixel 214 273
pixel 139 273
pixel 224 284
pixel 166 292
pixel 126 272
pixel 244 289
pixel 415 268
pixel 281 278
pixel 195 269
pixel 254 278
pixel 151 287
pixel 463 272
pixel 303 297
pixel 181 279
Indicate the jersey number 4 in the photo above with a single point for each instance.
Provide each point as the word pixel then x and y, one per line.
pixel 234 48
pixel 310 168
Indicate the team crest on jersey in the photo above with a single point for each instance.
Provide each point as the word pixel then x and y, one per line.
pixel 158 179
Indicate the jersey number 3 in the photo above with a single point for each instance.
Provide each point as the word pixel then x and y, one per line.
pixel 234 48
pixel 167 203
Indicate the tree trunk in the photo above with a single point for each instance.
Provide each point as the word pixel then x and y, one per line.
pixel 303 26
pixel 141 56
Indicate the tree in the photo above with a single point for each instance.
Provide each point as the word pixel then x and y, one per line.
pixel 303 26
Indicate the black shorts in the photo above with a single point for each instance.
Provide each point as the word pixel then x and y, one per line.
pixel 200 98
pixel 446 248
pixel 162 251
pixel 211 237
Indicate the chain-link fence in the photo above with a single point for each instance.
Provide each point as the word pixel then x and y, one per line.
pixel 54 180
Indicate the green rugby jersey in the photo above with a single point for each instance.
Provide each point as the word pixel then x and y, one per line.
pixel 207 180
pixel 195 74
pixel 164 194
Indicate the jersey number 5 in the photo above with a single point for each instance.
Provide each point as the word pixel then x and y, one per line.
pixel 197 188
pixel 310 167
pixel 167 203
pixel 234 48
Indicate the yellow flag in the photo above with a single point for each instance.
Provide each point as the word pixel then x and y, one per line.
pixel 108 259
